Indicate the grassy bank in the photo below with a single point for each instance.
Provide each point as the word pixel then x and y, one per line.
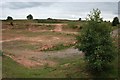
pixel 67 68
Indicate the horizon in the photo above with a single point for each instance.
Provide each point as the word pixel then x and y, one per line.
pixel 52 19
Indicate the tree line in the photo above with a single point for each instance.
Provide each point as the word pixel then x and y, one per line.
pixel 29 17
pixel 115 21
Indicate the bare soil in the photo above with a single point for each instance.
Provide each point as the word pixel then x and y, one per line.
pixel 34 59
pixel 30 58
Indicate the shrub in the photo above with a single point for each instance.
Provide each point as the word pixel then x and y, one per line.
pixel 96 42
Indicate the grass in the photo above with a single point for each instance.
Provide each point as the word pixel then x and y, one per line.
pixel 33 34
pixel 68 67
pixel 20 71
pixel 115 27
pixel 73 25
pixel 74 69
pixel 21 45
pixel 59 47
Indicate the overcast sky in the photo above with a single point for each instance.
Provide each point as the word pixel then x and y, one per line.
pixel 59 10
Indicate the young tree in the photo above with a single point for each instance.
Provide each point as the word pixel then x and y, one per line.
pixel 9 18
pixel 29 17
pixel 115 21
pixel 96 42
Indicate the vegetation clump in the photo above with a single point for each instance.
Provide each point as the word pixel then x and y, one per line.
pixel 96 42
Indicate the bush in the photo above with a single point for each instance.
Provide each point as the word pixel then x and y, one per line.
pixel 96 42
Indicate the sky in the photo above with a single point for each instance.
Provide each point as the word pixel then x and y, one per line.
pixel 57 10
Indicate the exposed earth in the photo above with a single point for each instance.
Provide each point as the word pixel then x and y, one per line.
pixel 15 40
pixel 35 40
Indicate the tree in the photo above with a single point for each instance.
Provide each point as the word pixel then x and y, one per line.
pixel 29 17
pixel 49 19
pixel 9 18
pixel 96 42
pixel 94 16
pixel 115 21
pixel 79 19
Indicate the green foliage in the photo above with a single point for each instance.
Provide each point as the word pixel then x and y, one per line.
pixel 96 42
pixel 115 21
pixel 9 18
pixel 95 16
pixel 29 17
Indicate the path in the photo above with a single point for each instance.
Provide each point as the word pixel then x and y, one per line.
pixel 115 32
pixel 10 40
